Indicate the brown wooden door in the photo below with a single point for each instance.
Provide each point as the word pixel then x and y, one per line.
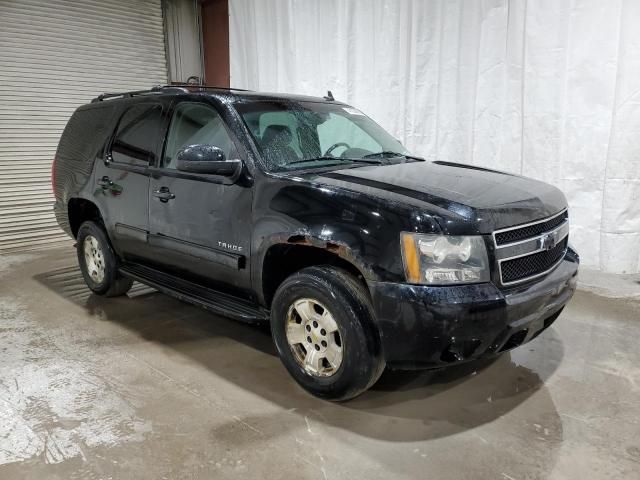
pixel 215 42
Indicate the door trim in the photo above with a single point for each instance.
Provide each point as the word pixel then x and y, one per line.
pixel 221 257
pixel 157 174
pixel 134 233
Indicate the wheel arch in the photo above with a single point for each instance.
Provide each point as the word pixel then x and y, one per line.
pixel 79 210
pixel 285 256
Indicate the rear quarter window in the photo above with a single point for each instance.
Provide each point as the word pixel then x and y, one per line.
pixel 84 137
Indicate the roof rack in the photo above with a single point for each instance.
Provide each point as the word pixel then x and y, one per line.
pixel 156 89
pixel 196 86
pixel 178 88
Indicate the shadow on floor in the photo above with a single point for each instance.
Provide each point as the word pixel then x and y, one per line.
pixel 401 407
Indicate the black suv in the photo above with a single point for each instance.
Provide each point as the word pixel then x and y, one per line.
pixel 303 212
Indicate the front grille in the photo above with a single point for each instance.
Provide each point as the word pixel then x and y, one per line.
pixel 534 264
pixel 528 231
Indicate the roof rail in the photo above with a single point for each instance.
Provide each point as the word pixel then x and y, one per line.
pixel 195 86
pixel 178 88
pixel 155 89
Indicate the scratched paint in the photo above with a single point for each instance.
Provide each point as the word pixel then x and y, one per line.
pixel 53 405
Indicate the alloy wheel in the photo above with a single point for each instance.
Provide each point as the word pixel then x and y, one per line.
pixel 314 338
pixel 94 259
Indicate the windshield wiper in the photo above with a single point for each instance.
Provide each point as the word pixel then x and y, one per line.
pixel 364 160
pixel 338 159
pixel 307 160
pixel 388 153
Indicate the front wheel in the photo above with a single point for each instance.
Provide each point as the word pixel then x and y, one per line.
pixel 323 327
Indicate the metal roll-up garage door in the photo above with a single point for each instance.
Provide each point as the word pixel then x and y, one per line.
pixel 54 56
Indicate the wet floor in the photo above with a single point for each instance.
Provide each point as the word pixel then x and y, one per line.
pixel 149 387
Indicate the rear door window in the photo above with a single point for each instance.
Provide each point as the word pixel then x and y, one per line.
pixel 136 139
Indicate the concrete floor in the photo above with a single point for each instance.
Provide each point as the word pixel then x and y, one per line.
pixel 148 387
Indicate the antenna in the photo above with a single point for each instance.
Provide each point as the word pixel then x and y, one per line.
pixel 329 96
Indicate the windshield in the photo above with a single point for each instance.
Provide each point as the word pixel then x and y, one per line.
pixel 296 135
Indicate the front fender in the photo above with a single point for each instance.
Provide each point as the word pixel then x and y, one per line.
pixel 362 229
pixel 335 247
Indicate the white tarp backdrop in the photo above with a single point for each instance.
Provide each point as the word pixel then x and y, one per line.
pixel 548 89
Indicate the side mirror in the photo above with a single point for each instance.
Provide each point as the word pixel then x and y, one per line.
pixel 206 159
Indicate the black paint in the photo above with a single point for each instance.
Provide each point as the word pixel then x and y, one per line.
pixel 354 213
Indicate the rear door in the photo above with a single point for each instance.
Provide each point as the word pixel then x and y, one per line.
pixel 199 224
pixel 122 179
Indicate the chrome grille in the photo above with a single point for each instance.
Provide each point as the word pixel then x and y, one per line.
pixel 529 231
pixel 531 265
pixel 525 252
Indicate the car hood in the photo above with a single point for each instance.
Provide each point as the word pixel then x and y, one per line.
pixel 462 198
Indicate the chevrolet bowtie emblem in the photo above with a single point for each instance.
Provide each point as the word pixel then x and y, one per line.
pixel 548 241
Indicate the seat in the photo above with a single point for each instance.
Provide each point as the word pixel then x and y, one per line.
pixel 276 146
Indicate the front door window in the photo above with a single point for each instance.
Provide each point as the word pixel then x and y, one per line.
pixel 196 124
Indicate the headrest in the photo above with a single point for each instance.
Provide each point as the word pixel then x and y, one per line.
pixel 280 133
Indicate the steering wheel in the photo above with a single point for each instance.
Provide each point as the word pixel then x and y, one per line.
pixel 334 146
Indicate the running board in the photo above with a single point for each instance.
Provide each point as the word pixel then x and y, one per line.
pixel 212 300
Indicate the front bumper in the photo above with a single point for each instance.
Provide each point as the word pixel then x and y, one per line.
pixel 427 327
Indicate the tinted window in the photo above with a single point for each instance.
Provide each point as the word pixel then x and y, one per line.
pixel 85 136
pixel 196 124
pixel 137 136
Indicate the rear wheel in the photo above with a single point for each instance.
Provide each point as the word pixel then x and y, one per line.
pixel 98 262
pixel 323 327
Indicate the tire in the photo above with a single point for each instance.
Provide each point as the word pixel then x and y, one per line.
pixel 306 302
pixel 98 262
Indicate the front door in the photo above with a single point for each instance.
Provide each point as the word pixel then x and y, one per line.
pixel 199 226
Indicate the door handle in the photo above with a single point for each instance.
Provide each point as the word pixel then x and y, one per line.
pixel 163 194
pixel 105 182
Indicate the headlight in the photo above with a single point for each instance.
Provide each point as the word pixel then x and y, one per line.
pixel 444 259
